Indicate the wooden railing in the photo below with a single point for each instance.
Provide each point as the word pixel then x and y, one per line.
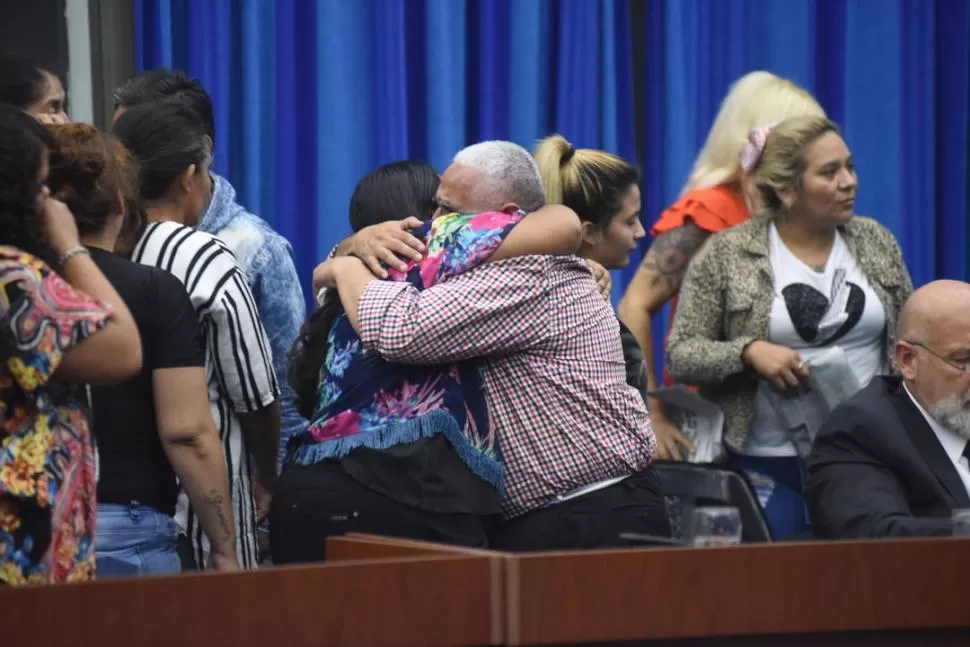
pixel 381 591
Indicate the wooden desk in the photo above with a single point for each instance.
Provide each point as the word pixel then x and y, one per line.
pixel 433 600
pixel 739 591
pixel 381 591
pixel 820 593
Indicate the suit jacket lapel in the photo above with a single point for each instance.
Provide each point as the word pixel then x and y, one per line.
pixel 930 449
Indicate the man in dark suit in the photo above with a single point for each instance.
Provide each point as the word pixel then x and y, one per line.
pixel 892 461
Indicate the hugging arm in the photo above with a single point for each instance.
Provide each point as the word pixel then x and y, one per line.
pixel 552 230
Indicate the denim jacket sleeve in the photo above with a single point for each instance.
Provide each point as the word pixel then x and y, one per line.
pixel 279 297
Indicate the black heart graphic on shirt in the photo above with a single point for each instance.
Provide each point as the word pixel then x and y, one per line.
pixel 807 306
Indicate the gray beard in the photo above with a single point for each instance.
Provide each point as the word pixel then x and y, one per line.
pixel 953 413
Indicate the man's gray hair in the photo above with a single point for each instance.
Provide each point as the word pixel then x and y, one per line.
pixel 509 174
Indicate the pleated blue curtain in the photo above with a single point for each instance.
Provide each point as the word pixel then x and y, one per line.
pixel 311 94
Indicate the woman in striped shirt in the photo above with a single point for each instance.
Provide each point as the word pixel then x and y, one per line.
pixel 174 155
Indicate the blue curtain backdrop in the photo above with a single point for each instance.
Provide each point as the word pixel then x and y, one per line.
pixel 311 94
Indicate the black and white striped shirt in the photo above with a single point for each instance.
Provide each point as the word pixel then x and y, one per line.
pixel 238 361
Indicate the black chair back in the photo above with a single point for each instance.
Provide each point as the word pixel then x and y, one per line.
pixel 687 485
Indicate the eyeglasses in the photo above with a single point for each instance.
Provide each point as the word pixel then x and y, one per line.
pixel 963 367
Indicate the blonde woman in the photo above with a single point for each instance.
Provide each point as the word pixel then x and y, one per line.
pixel 603 191
pixel 763 301
pixel 712 200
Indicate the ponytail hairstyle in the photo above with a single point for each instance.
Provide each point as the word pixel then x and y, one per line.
pixel 165 140
pixel 592 183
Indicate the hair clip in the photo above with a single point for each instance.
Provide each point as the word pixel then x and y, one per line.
pixel 751 153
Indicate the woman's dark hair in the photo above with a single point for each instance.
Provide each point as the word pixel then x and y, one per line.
pixel 392 192
pixel 166 140
pixel 592 183
pixel 88 171
pixel 21 81
pixel 23 144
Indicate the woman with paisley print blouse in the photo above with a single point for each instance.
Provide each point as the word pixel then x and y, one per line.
pixel 57 331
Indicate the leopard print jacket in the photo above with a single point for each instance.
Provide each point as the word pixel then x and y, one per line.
pixel 725 301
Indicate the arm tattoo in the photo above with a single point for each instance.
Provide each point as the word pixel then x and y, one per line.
pixel 215 500
pixel 669 255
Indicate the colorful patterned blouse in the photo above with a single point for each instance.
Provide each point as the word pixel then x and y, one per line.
pixel 47 465
pixel 365 401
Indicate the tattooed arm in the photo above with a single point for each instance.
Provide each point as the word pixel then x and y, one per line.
pixel 658 279
pixel 192 445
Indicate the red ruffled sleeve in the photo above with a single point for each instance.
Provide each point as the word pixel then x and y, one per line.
pixel 714 209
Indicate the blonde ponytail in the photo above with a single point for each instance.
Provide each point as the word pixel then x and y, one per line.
pixel 592 183
pixel 553 155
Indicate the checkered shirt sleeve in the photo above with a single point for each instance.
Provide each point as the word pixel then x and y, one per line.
pixel 488 311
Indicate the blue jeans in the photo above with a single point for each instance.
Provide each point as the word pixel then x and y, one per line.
pixel 135 540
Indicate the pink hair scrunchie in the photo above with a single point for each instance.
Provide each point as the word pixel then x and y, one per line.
pixel 752 151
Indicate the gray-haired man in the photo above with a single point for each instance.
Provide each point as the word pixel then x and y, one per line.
pixel 575 438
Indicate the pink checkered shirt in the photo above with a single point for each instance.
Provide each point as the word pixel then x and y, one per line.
pixel 553 368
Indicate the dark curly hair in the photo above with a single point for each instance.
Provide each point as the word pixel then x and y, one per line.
pixel 392 192
pixel 88 171
pixel 24 144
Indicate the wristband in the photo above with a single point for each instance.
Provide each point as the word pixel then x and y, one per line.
pixel 71 253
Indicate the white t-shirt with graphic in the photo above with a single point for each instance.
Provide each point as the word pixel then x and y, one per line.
pixel 812 311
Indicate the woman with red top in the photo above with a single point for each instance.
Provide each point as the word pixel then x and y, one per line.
pixel 712 200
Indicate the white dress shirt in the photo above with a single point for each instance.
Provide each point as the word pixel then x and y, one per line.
pixel 953 444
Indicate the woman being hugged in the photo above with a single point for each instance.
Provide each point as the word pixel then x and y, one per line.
pixel 713 199
pixel 764 299
pixel 409 448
